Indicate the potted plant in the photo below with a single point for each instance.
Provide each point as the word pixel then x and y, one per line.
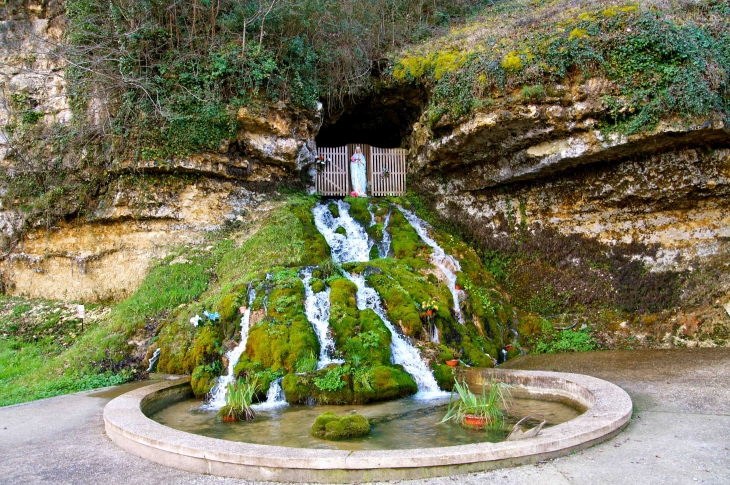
pixel 239 399
pixel 479 411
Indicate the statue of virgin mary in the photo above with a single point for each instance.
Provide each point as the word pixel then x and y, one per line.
pixel 358 174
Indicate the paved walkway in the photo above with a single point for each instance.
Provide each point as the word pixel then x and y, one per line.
pixel 680 433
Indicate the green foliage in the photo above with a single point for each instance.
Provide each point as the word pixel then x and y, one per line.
pixel 332 380
pixel 306 364
pixel 663 61
pixel 566 341
pixel 177 72
pixel 239 399
pixel 329 426
pixel 487 405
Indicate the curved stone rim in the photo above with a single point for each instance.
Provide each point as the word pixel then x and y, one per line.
pixel 609 410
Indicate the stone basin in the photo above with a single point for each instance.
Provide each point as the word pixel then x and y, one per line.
pixel 608 410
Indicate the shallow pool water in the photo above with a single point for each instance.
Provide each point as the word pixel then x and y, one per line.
pixel 402 424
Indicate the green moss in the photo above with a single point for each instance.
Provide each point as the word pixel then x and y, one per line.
pixel 317 285
pixel 334 210
pixel 444 376
pixel 381 383
pixel 202 381
pixel 405 241
pixel 341 231
pixel 329 426
pixel 359 209
pixel 285 336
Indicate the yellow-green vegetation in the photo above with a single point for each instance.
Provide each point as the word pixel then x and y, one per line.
pixel 664 58
pixel 239 400
pixel 169 312
pixel 489 405
pixel 329 426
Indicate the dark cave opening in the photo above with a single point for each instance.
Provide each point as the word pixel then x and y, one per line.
pixel 383 119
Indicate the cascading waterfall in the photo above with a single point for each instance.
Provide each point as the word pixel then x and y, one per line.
pixel 153 360
pixel 446 263
pixel 356 248
pixel 274 397
pixel 384 246
pixel 402 351
pixel 220 389
pixel 317 309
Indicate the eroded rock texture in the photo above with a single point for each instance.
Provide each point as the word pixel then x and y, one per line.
pixel 668 186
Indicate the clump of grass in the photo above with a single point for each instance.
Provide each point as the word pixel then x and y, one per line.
pixel 489 406
pixel 239 400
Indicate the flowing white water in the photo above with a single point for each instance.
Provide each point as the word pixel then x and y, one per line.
pixel 384 246
pixel 153 360
pixel 402 352
pixel 220 389
pixel 274 397
pixel 317 309
pixel 447 264
pixel 356 248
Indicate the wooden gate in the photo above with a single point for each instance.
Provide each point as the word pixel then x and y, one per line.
pixel 386 170
pixel 334 177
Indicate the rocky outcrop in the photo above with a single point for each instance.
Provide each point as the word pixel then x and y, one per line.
pixel 136 222
pixel 668 186
pixel 523 140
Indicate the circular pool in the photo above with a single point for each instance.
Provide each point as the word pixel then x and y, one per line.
pixel 394 453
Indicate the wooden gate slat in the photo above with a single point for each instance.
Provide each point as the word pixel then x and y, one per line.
pixel 334 178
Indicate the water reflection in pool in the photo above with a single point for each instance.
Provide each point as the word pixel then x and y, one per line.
pixel 406 423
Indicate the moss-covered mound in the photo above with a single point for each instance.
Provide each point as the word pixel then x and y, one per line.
pixel 329 426
pixel 282 342
pixel 349 385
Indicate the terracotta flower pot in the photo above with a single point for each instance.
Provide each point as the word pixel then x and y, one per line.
pixel 475 421
pixel 457 287
pixel 230 419
pixel 429 312
pixel 452 362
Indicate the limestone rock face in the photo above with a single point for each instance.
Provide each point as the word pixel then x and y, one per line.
pixel 279 136
pixel 30 72
pixel 107 255
pixel 668 186
pixel 523 141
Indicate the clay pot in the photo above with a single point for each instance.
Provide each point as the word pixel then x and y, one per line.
pixel 452 363
pixel 475 421
pixel 457 287
pixel 230 419
pixel 429 312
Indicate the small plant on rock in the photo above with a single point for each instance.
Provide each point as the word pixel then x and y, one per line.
pixel 239 400
pixel 481 411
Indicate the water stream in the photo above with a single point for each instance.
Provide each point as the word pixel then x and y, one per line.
pixel 274 397
pixel 446 263
pixel 317 309
pixel 355 247
pixel 220 389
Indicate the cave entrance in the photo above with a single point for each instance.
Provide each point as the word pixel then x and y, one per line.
pixel 386 170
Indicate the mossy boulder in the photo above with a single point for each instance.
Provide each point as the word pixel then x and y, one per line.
pixel 202 381
pixel 329 426
pixel 334 210
pixel 359 209
pixel 317 285
pixel 341 231
pixel 444 376
pixel 383 383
